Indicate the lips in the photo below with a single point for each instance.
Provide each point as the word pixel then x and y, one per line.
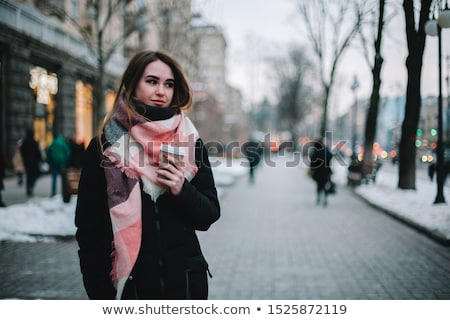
pixel 158 103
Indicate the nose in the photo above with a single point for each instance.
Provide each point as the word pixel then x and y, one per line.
pixel 160 89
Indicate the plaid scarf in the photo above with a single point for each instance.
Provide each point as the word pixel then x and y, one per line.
pixel 132 154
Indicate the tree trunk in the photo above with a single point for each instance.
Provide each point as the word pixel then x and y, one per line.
pixel 371 121
pixel 99 92
pixel 416 45
pixel 323 125
pixel 407 149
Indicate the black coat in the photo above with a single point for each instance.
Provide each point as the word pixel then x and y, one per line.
pixel 320 164
pixel 253 151
pixel 170 264
pixel 31 155
pixel 2 170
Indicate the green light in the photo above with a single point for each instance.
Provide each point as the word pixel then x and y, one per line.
pixel 433 132
pixel 419 132
pixel 418 143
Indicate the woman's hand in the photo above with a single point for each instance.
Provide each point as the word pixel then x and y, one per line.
pixel 170 174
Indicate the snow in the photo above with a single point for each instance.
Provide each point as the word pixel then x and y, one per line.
pixel 414 206
pixel 43 219
pixel 38 219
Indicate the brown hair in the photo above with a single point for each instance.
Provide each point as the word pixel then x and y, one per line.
pixel 182 97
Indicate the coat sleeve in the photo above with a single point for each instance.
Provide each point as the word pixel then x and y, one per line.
pixel 94 233
pixel 199 196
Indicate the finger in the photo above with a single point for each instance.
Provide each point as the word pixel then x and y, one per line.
pixel 170 172
pixel 177 162
pixel 169 180
pixel 163 173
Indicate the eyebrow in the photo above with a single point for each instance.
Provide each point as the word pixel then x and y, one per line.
pixel 155 77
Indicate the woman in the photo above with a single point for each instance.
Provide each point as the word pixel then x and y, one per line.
pixel 320 165
pixel 17 163
pixel 136 217
pixel 32 158
pixel 58 155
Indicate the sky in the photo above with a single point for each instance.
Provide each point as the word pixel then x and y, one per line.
pixel 254 29
pixel 42 218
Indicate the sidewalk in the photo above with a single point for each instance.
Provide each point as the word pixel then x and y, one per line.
pixel 414 207
pixel 15 194
pixel 271 242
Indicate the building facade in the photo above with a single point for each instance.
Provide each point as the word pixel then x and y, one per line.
pixel 48 75
pixel 220 113
pixel 60 65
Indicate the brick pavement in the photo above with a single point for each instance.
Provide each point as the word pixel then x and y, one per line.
pixel 272 242
pixel 14 194
pixel 43 270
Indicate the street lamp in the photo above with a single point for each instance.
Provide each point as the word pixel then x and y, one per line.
pixel 448 97
pixel 354 87
pixel 433 28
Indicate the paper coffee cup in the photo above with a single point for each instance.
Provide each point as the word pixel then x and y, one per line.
pixel 176 152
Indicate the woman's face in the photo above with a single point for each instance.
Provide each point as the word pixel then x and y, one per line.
pixel 156 86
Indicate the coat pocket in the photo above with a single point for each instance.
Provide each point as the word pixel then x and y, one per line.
pixel 196 278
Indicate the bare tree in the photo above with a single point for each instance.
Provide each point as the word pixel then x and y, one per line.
pixel 104 36
pixel 372 114
pixel 416 45
pixel 102 14
pixel 331 27
pixel 295 94
pixel 173 23
pixel 109 26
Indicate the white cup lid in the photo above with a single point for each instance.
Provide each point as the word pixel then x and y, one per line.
pixel 171 149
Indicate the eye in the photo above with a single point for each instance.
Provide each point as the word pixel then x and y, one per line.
pixel 152 81
pixel 170 84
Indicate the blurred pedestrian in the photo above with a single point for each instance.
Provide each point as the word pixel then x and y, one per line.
pixel 2 176
pixel 32 158
pixel 432 169
pixel 355 174
pixel 253 151
pixel 17 163
pixel 320 166
pixel 58 155
pixel 138 205
pixel 76 153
